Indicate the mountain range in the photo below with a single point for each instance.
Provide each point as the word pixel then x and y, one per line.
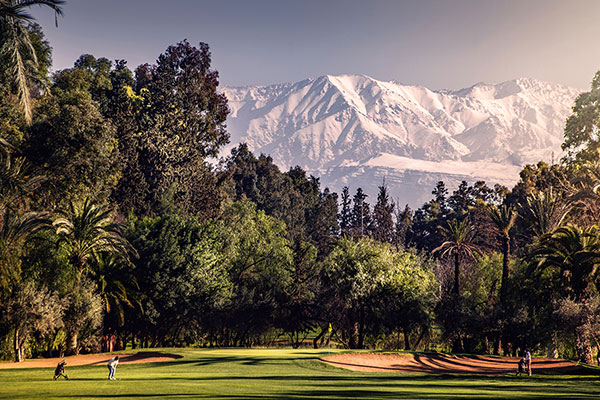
pixel 356 131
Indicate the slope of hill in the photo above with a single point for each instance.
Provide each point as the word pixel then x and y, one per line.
pixel 355 130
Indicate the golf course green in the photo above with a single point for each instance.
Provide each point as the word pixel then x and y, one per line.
pixel 277 374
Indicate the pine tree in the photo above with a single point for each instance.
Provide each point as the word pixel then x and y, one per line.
pixel 345 216
pixel 440 193
pixel 403 227
pixel 383 229
pixel 361 214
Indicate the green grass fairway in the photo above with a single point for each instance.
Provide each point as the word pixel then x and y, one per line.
pixel 277 374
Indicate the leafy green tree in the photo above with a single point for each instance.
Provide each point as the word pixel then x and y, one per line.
pixel 408 297
pixel 17 47
pixel 31 309
pixel 75 146
pixel 292 197
pixel 83 315
pixel 369 287
pixel 353 272
pixel 259 262
pixel 179 123
pixel 581 320
pixel 298 315
pixel 581 131
pixel 181 276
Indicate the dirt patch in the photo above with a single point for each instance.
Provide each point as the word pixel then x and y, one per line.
pixel 92 359
pixel 447 364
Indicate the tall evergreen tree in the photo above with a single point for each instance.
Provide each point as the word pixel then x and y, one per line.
pixel 440 195
pixel 403 227
pixel 383 221
pixel 361 214
pixel 345 213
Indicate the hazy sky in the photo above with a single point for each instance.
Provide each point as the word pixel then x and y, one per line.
pixel 438 44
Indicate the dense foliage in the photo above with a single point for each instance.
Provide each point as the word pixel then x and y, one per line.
pixel 118 227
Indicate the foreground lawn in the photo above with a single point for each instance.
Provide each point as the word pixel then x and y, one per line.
pixel 276 374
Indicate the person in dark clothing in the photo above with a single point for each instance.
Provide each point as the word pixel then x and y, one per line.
pixel 522 366
pixel 60 370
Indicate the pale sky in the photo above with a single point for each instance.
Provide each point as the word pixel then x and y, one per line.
pixel 435 43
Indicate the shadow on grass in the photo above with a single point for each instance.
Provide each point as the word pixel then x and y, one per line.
pixel 357 386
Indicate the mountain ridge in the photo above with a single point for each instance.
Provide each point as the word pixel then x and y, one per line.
pixel 328 123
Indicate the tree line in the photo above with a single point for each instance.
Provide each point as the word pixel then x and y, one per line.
pixel 118 228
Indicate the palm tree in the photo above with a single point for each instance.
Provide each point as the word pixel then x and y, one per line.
pixel 88 230
pixel 570 258
pixel 545 211
pixel 586 194
pixel 15 229
pixel 459 244
pixel 503 218
pixel 572 255
pixel 16 46
pixel 118 288
pixel 16 179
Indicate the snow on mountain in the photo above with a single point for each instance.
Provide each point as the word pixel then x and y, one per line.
pixel 355 130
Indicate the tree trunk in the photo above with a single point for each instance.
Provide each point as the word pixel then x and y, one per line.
pixel 505 265
pixel 498 348
pixel 72 347
pixel 361 330
pixel 552 351
pixel 456 275
pixel 316 339
pixel 18 347
pixel 583 346
pixel 406 340
pixel 353 337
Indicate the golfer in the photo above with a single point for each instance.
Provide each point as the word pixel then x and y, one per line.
pixel 112 366
pixel 528 361
pixel 60 370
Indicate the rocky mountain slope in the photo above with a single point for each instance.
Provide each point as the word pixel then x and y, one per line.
pixel 355 130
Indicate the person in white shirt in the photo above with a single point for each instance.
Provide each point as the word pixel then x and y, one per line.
pixel 528 361
pixel 112 366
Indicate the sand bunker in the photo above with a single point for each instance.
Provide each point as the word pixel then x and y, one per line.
pixel 448 364
pixel 92 359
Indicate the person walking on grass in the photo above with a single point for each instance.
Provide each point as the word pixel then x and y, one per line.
pixel 112 366
pixel 528 361
pixel 60 370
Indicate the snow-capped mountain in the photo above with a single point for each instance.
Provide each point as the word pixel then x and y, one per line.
pixel 355 130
